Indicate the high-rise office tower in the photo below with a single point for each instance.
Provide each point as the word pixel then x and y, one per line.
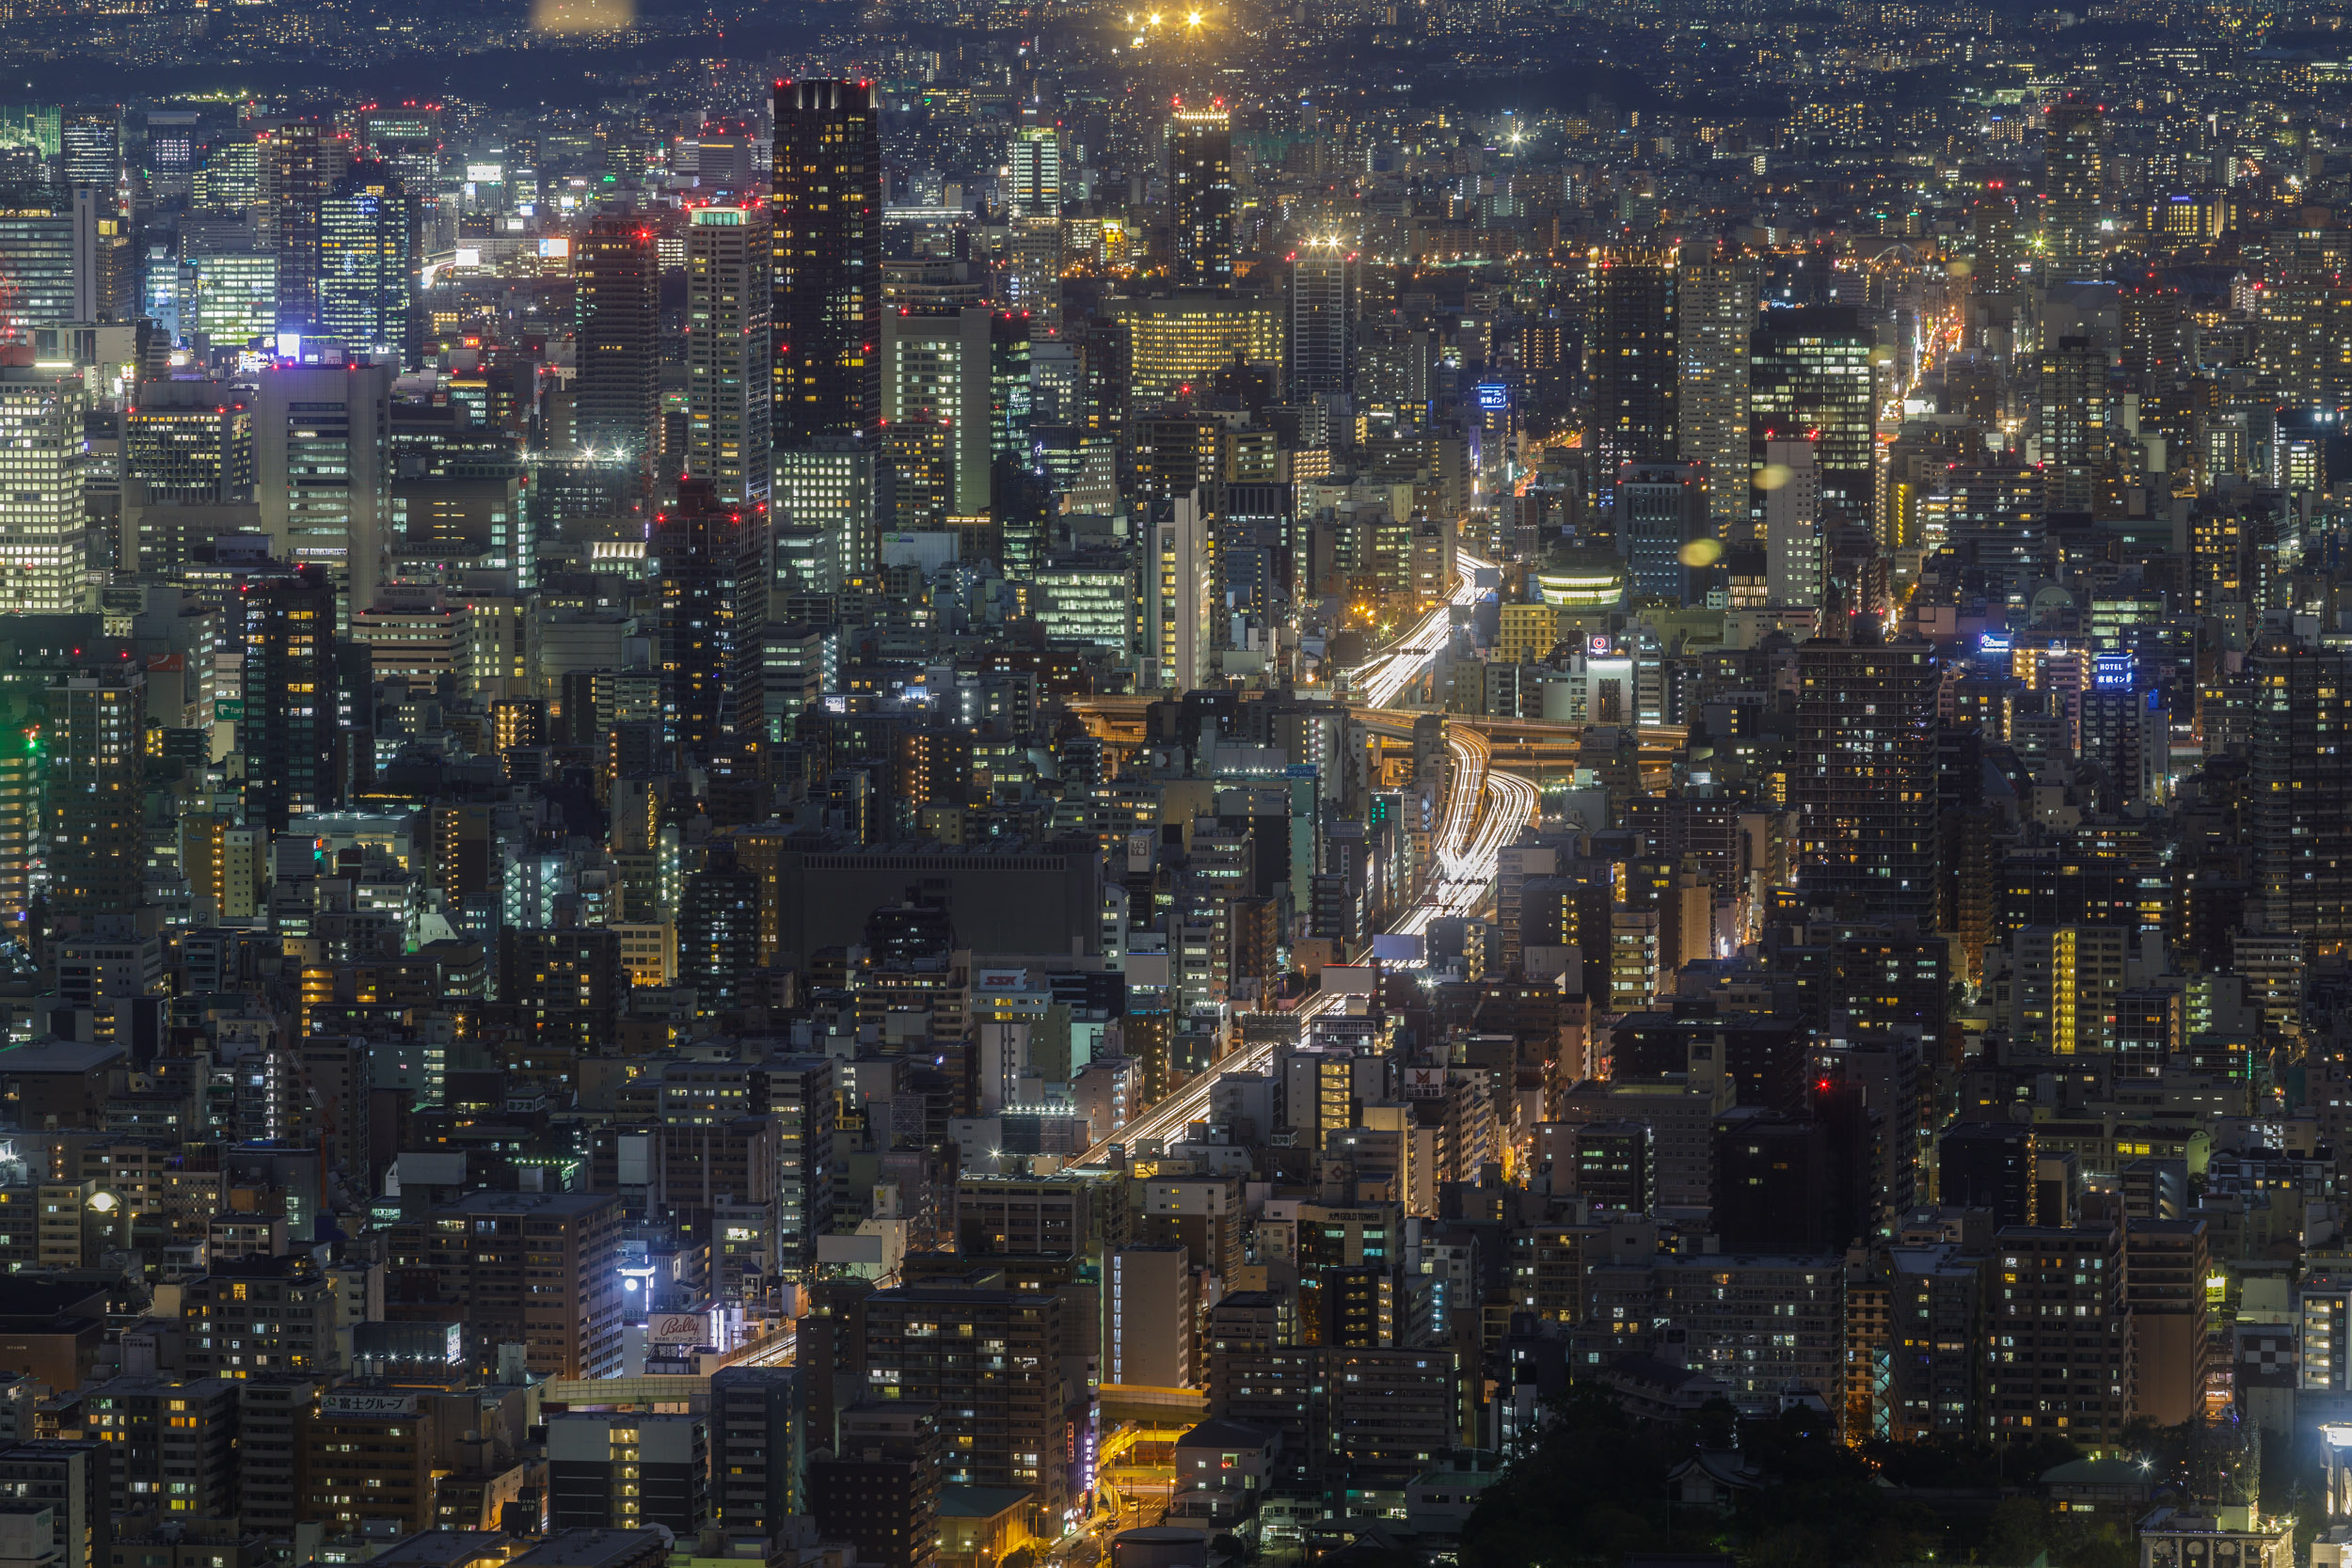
pixel 1009 395
pixel 827 265
pixel 1796 555
pixel 2073 153
pixel 2071 411
pixel 369 244
pixel 90 148
pixel 1322 341
pixel 1632 365
pixel 321 440
pixel 1200 169
pixel 2299 799
pixel 935 374
pixel 43 543
pixel 288 730
pixel 298 164
pixel 1715 312
pixel 1033 173
pixel 616 398
pixel 710 572
pixel 43 255
pixel 407 137
pixel 729 385
pixel 758 1446
pixel 1864 787
pixel 1661 510
pixel 187 448
pixel 1811 379
pixel 1033 275
pixel 830 484
pixel 98 760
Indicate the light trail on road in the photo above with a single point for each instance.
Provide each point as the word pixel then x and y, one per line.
pixel 1484 811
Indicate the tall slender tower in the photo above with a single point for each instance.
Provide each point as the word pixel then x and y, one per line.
pixel 298 164
pixel 728 383
pixel 1200 159
pixel 1865 794
pixel 1633 368
pixel 827 259
pixel 1323 319
pixel 288 731
pixel 710 569
pixel 1715 308
pixel 2073 156
pixel 618 295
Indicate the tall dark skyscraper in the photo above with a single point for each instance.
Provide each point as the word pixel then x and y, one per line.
pixel 298 164
pixel 368 253
pixel 288 731
pixel 1200 163
pixel 2300 799
pixel 96 785
pixel 1864 777
pixel 2073 153
pixel 1633 370
pixel 1810 378
pixel 1321 340
pixel 617 274
pixel 711 572
pixel 827 266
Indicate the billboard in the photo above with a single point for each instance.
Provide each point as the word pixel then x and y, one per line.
pixel 677 1328
pixel 1425 1083
pixel 344 1404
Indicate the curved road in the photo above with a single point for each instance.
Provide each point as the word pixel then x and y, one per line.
pixel 1484 811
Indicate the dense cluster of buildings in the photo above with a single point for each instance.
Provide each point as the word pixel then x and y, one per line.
pixel 1044 780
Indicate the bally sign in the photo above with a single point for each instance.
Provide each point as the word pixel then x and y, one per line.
pixel 368 1404
pixel 677 1328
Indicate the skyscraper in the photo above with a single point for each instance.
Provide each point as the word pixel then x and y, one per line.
pixel 935 374
pixel 1796 555
pixel 368 255
pixel 1811 379
pixel 1033 173
pixel 287 733
pixel 2071 412
pixel 97 762
pixel 729 385
pixel 711 575
pixel 1864 784
pixel 1322 340
pixel 187 447
pixel 1633 368
pixel 1200 165
pixel 617 281
pixel 321 444
pixel 2073 153
pixel 831 484
pixel 89 143
pixel 298 164
pixel 1179 598
pixel 43 545
pixel 827 266
pixel 2299 799
pixel 1715 310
